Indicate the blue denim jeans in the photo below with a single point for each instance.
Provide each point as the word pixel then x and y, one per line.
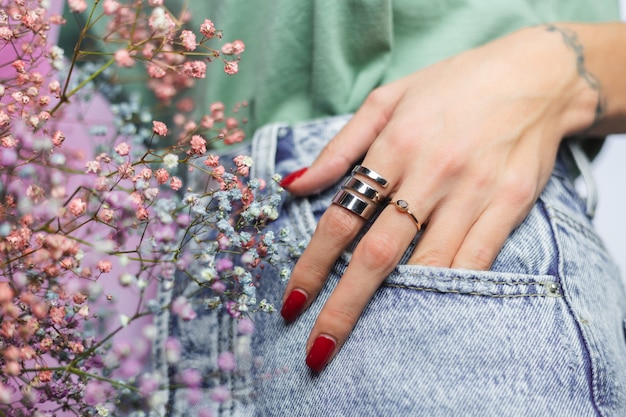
pixel 540 334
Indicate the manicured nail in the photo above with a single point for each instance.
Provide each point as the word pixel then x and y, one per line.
pixel 293 305
pixel 292 177
pixel 320 352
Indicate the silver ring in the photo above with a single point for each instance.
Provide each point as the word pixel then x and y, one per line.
pixel 360 169
pixel 360 187
pixel 351 202
pixel 403 207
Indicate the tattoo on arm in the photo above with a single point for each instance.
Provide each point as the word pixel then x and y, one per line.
pixel 571 40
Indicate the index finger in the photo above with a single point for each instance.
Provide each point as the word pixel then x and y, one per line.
pixel 350 144
pixel 376 255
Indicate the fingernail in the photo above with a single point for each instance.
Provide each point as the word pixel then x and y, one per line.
pixel 293 305
pixel 320 352
pixel 292 177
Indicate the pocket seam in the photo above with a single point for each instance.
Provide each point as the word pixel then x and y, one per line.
pixel 556 294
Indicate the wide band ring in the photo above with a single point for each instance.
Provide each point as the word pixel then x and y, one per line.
pixel 360 187
pixel 353 203
pixel 403 207
pixel 360 169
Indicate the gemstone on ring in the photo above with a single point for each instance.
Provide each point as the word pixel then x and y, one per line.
pixel 403 207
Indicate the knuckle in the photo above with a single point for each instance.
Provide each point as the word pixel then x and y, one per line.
pixel 433 256
pixel 449 163
pixel 520 190
pixel 339 225
pixel 478 258
pixel 310 274
pixel 379 251
pixel 379 97
pixel 340 319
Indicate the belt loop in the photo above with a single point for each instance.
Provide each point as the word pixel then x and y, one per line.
pixel 584 166
pixel 264 151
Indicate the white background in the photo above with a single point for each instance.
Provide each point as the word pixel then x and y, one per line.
pixel 610 171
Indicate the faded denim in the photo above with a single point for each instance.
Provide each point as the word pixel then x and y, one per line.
pixel 541 334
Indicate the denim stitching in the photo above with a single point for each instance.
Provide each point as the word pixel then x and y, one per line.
pixel 588 233
pixel 418 288
pixel 473 279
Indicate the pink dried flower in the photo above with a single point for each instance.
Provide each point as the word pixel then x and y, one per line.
pixel 231 67
pixel 161 175
pixel 57 315
pixel 123 58
pixel 8 142
pixel 104 266
pixel 189 40
pixel 148 50
pixel 191 378
pixel 44 376
pixel 182 308
pixel 146 174
pixel 6 33
pixel 160 21
pixel 175 183
pixel 220 394
pixel 207 122
pixel 245 326
pixel 155 3
pixel 106 215
pixel 76 347
pixel 19 66
pixel 4 119
pixel 54 86
pixel 243 164
pixel 218 171
pixel 110 6
pixel 77 206
pixel 194 69
pixel 231 123
pixel 159 128
pixel 122 149
pixel 172 350
pixel 58 138
pixel 235 136
pixel 235 48
pixel 92 167
pixel 207 28
pixel 155 71
pixel 212 161
pixel 77 6
pixel 6 293
pixel 198 145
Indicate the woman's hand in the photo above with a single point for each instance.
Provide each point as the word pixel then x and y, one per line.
pixel 469 143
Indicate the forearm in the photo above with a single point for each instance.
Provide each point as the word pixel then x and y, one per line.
pixel 600 54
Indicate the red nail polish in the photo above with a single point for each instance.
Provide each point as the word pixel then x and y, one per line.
pixel 292 177
pixel 320 352
pixel 293 305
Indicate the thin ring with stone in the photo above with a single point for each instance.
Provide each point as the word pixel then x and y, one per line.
pixel 403 207
pixel 353 203
pixel 362 188
pixel 360 169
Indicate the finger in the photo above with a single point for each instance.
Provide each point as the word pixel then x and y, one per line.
pixel 350 144
pixel 374 258
pixel 336 229
pixel 486 238
pixel 447 227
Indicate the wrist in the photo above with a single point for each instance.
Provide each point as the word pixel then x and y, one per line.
pixel 597 105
